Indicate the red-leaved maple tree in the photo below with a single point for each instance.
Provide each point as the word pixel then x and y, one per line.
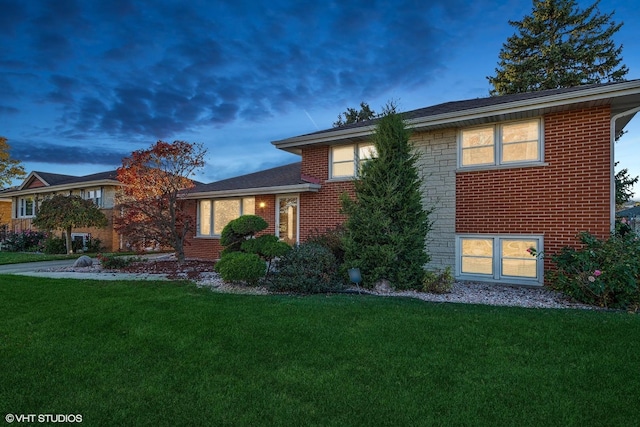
pixel 149 201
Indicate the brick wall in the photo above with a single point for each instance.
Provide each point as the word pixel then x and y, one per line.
pixel 321 211
pixel 569 195
pixel 210 247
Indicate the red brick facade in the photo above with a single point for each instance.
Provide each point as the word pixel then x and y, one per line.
pixel 570 194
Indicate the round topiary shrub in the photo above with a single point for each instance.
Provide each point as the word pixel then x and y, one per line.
pixel 239 230
pixel 307 268
pixel 241 267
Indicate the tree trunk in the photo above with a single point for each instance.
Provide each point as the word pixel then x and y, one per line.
pixel 68 239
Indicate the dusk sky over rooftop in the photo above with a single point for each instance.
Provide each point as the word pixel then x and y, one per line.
pixel 85 83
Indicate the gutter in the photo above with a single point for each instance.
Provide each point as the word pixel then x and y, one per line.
pixel 612 130
pixel 283 189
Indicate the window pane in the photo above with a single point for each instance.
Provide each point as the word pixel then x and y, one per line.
pixel 223 212
pixel 520 151
pixel 342 169
pixel 516 261
pixel 205 217
pixel 477 137
pixel 342 154
pixel 367 151
pixel 518 248
pixel 477 256
pixel 520 132
pixel 472 265
pixel 520 267
pixel 477 247
pixel 477 156
pixel 248 206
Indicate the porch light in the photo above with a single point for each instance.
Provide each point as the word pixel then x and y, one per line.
pixel 262 205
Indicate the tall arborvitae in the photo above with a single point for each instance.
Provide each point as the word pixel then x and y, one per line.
pixel 386 224
pixel 558 46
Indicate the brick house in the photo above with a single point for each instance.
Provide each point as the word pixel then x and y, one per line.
pixel 37 186
pixel 504 174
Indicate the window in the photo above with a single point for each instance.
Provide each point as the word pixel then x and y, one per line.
pixel 500 258
pixel 94 195
pixel 501 144
pixel 346 160
pixel 26 207
pixel 214 215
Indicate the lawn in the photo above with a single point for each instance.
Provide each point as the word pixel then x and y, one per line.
pixel 18 257
pixel 167 353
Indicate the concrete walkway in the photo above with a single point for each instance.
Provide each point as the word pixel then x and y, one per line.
pixel 37 269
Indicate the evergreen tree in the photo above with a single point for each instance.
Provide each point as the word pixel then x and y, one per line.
pixel 386 224
pixel 354 116
pixel 558 46
pixel 624 186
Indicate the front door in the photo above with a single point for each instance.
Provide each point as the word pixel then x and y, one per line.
pixel 287 219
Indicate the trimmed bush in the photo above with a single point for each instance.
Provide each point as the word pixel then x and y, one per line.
pixel 307 268
pixel 25 241
pixel 241 267
pixel 603 272
pixel 239 230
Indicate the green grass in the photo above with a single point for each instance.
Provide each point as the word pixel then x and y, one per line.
pixel 19 257
pixel 167 353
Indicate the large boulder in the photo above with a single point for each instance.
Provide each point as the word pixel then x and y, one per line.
pixel 83 261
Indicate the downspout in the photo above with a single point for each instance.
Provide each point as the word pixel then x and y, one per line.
pixel 612 218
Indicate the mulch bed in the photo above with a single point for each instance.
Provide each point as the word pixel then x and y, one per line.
pixel 190 269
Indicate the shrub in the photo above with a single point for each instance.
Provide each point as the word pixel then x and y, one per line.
pixel 94 245
pixel 113 262
pixel 239 230
pixel 267 247
pixel 438 281
pixel 603 272
pixel 25 241
pixel 331 238
pixel 54 245
pixel 307 268
pixel 241 267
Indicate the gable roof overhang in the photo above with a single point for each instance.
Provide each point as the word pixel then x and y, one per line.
pixel 245 192
pixel 621 97
pixel 64 187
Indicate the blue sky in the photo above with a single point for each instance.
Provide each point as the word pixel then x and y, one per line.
pixel 84 83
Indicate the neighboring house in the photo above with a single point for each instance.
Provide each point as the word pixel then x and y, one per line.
pixel 38 186
pixel 631 217
pixel 504 174
pixel 5 213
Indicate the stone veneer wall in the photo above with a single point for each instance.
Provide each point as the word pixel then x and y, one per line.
pixel 437 150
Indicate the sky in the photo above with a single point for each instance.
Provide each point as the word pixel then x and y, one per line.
pixel 83 83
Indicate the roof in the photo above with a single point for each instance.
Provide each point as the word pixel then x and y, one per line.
pixel 60 182
pixel 622 96
pixel 281 179
pixel 631 212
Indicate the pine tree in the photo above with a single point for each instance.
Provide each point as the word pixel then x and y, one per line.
pixel 386 224
pixel 558 46
pixel 354 116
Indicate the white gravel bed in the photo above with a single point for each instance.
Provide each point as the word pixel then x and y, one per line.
pixel 461 292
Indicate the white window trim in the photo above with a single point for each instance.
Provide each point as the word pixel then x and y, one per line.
pixel 212 217
pixel 356 161
pixel 277 228
pixel 22 207
pixel 497 147
pixel 497 277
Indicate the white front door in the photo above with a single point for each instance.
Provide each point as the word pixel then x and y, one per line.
pixel 287 218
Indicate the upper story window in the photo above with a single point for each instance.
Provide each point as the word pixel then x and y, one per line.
pixel 95 195
pixel 26 207
pixel 214 215
pixel 346 160
pixel 501 144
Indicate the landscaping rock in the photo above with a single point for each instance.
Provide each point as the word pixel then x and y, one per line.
pixel 83 261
